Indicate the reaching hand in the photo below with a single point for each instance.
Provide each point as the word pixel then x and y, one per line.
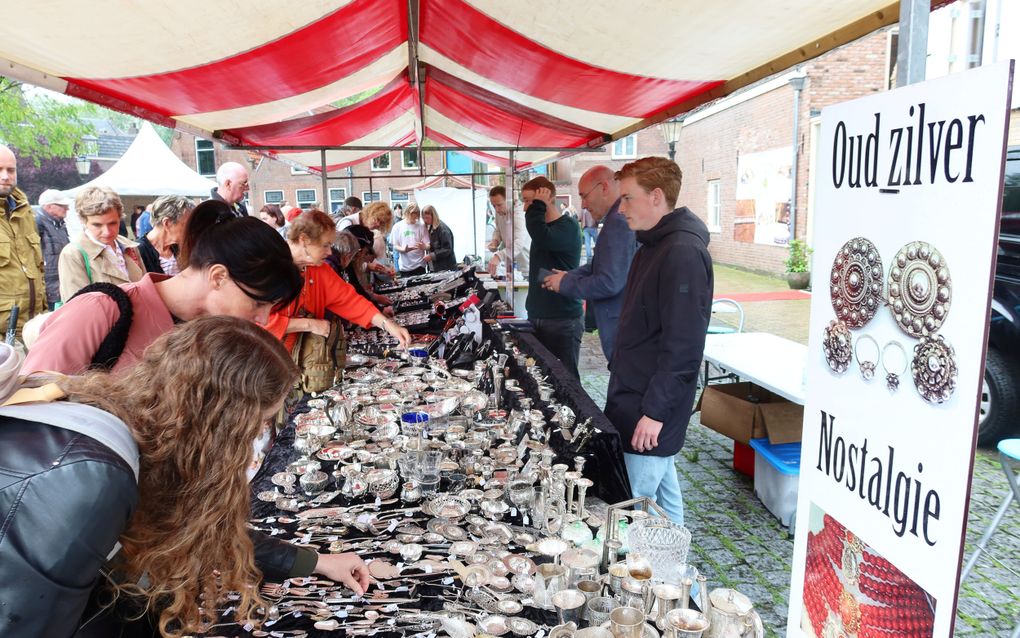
pixel 347 568
pixel 552 282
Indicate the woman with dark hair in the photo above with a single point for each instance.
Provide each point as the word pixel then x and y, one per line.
pixel 272 215
pixel 235 266
pixel 355 272
pixel 153 459
pixel 440 255
pixel 311 238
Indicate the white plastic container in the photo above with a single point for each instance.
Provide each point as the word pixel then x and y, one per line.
pixel 777 477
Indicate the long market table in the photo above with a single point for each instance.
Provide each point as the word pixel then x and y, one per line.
pixel 774 363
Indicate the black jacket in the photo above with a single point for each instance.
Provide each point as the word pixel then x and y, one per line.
pixel 239 208
pixel 441 247
pixel 150 256
pixel 661 335
pixel 65 498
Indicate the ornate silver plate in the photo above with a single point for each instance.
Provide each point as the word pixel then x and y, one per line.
pixel 855 284
pixel 920 289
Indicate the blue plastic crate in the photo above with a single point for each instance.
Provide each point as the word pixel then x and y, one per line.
pixel 777 477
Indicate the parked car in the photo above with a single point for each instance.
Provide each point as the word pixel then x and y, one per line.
pixel 1000 395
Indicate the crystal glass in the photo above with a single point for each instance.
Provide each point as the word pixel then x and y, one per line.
pixel 664 545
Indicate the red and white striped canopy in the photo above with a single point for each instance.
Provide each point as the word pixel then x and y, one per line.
pixel 475 74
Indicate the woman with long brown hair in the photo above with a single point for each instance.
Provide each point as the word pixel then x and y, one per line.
pixel 192 406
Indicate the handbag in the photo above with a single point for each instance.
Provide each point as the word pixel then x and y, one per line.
pixel 321 359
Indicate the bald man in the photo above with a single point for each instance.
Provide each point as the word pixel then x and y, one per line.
pixel 22 281
pixel 602 279
pixel 232 184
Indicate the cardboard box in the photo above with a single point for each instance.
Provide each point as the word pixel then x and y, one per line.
pixel 745 411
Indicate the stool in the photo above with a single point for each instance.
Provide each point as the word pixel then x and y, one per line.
pixel 1009 456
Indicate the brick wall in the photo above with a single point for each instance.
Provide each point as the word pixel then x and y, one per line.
pixel 275 175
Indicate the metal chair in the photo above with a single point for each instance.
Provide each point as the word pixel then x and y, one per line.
pixel 722 306
pixel 727 306
pixel 1009 456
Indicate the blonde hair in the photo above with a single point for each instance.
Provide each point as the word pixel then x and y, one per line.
pixel 215 377
pixel 435 215
pixel 97 200
pixel 655 172
pixel 379 212
pixel 313 223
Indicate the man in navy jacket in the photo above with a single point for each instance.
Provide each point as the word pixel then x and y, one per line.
pixel 661 339
pixel 601 281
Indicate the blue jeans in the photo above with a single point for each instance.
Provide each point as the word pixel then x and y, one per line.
pixel 656 478
pixel 590 235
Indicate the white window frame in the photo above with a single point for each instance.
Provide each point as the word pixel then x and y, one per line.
pixel 305 205
pixel 265 197
pixel 399 197
pixel 389 161
pixel 410 167
pixel 343 196
pixel 294 170
pixel 367 196
pixel 619 150
pixel 714 205
pixel 211 149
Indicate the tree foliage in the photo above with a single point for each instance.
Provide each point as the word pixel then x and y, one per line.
pixel 38 126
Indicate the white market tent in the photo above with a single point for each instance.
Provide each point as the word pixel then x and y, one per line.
pixel 150 168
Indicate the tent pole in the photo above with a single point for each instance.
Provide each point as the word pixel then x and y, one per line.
pixel 325 182
pixel 474 216
pixel 511 247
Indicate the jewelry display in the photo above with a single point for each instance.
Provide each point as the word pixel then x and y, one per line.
pixel 892 379
pixel 867 366
pixel 934 369
pixel 855 283
pixel 919 289
pixel 837 346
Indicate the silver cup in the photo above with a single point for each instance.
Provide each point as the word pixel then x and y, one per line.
pixel 569 603
pixel 627 622
pixel 617 572
pixel 597 609
pixel 685 623
pixel 666 599
pixel 594 632
pixel 589 587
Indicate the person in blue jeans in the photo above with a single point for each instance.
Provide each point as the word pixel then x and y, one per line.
pixel 589 232
pixel 660 341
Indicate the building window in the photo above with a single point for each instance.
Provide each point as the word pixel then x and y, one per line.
pixel 294 170
pixel 409 159
pixel 336 199
pixel 306 198
pixel 205 158
pixel 625 148
pixel 399 196
pixel 370 196
pixel 381 163
pixel 273 197
pixel 714 205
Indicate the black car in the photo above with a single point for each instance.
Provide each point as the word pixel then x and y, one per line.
pixel 1000 394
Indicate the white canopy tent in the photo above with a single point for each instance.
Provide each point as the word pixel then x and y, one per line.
pixel 150 168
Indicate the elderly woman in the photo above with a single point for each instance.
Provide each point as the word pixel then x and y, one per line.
pixel 160 246
pixel 160 472
pixel 440 255
pixel 378 218
pixel 98 253
pixel 311 239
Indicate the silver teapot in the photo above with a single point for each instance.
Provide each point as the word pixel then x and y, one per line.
pixel 730 613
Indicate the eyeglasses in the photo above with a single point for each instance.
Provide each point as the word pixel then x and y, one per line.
pixel 592 189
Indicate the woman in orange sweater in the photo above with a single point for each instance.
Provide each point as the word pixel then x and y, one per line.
pixel 311 238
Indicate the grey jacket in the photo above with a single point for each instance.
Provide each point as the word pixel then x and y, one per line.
pixel 53 236
pixel 602 280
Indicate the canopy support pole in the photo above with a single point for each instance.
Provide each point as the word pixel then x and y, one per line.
pixel 912 45
pixel 325 181
pixel 512 246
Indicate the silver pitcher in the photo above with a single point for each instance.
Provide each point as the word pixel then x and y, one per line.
pixel 730 613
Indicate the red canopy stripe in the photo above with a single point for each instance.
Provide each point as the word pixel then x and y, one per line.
pixel 512 60
pixel 360 158
pixel 323 52
pixel 336 127
pixel 485 111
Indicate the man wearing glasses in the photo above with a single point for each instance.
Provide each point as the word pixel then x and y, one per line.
pixel 602 279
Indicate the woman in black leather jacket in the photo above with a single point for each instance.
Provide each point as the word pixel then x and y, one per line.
pixel 192 405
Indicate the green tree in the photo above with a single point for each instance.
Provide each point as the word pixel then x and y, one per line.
pixel 38 126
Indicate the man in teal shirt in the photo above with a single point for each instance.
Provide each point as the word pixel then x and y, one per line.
pixel 555 245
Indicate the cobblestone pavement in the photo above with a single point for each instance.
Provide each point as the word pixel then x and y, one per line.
pixel 738 543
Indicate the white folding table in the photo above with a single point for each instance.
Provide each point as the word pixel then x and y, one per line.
pixel 774 363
